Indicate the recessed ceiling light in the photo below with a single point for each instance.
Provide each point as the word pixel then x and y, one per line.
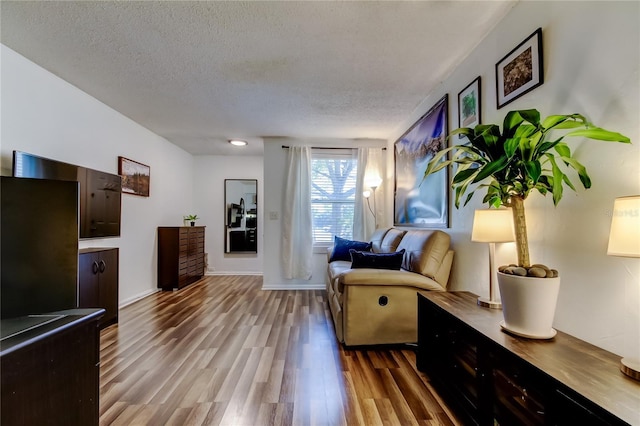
pixel 237 142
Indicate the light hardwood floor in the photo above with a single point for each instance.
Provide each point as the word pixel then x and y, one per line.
pixel 222 351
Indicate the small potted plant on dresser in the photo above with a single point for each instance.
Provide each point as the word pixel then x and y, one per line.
pixel 516 162
pixel 191 219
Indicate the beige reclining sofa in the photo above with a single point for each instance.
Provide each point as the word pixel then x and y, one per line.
pixel 379 306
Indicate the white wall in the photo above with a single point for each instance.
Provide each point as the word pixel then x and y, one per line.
pixel 274 177
pixel 591 67
pixel 46 116
pixel 209 175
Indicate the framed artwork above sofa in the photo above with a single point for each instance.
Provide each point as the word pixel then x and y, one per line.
pixel 418 201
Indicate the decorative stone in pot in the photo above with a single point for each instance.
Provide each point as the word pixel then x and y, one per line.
pixel 528 302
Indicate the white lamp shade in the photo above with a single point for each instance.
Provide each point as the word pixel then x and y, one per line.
pixel 624 237
pixel 493 226
pixel 372 181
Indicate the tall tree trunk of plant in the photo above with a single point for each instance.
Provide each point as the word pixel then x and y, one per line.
pixel 520 228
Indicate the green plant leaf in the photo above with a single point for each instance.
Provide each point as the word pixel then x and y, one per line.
pixel 569 124
pixel 545 146
pixel 553 120
pixel 582 171
pixel 568 182
pixel 563 149
pixel 492 196
pixel 459 191
pixel 544 185
pixel 525 131
pixel 469 197
pixel 487 139
pixel 534 140
pixel 510 146
pixel 465 131
pixel 524 146
pixel 512 120
pixel 534 170
pixel 437 163
pixel 556 183
pixel 491 168
pixel 481 128
pixel 463 175
pixel 601 134
pixel 531 115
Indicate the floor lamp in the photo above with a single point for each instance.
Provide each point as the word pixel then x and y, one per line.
pixel 624 240
pixel 373 183
pixel 492 226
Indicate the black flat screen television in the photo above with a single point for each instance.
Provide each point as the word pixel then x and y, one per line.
pixel 38 247
pixel 99 197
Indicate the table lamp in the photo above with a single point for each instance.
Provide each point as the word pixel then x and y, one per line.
pixel 492 226
pixel 624 240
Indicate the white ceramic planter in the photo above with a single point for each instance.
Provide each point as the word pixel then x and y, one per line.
pixel 528 305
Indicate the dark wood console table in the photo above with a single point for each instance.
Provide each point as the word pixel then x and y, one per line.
pixel 491 377
pixel 50 368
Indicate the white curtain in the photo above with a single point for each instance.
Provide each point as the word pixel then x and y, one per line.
pixel 368 212
pixel 297 235
pixel 363 220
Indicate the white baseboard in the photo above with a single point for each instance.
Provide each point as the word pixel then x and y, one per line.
pixel 284 286
pixel 137 297
pixel 212 273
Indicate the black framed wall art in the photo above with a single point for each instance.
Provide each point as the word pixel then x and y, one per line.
pixel 136 177
pixel 469 107
pixel 520 71
pixel 418 201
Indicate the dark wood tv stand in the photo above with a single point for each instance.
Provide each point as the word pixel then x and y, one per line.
pixel 491 377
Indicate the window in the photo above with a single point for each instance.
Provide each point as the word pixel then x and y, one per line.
pixel 333 187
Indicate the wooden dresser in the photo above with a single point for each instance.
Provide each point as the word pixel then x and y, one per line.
pixel 180 256
pixel 492 377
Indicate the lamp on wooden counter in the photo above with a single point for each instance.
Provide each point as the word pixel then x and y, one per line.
pixel 624 240
pixel 492 226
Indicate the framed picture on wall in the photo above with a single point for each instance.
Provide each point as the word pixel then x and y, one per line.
pixel 521 70
pixel 136 177
pixel 419 201
pixel 469 105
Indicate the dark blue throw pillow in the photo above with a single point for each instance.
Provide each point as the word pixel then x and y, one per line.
pixel 360 259
pixel 342 246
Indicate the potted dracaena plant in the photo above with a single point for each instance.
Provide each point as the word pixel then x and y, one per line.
pixel 191 219
pixel 510 164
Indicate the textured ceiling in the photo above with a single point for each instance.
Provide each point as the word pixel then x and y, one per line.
pixel 200 73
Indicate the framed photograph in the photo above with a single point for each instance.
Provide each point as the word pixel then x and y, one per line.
pixel 136 177
pixel 469 105
pixel 521 70
pixel 418 201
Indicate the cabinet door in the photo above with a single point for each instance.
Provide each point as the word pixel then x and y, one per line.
pixel 103 204
pixel 88 279
pixel 98 283
pixel 108 286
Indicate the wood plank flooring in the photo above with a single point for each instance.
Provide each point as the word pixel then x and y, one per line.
pixel 224 352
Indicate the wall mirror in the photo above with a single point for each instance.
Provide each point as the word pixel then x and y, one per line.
pixel 241 215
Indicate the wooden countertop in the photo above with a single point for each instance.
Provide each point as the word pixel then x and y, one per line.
pixel 23 331
pixel 587 369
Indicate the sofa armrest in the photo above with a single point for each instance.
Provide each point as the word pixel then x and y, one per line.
pixel 442 276
pixel 329 251
pixel 385 277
